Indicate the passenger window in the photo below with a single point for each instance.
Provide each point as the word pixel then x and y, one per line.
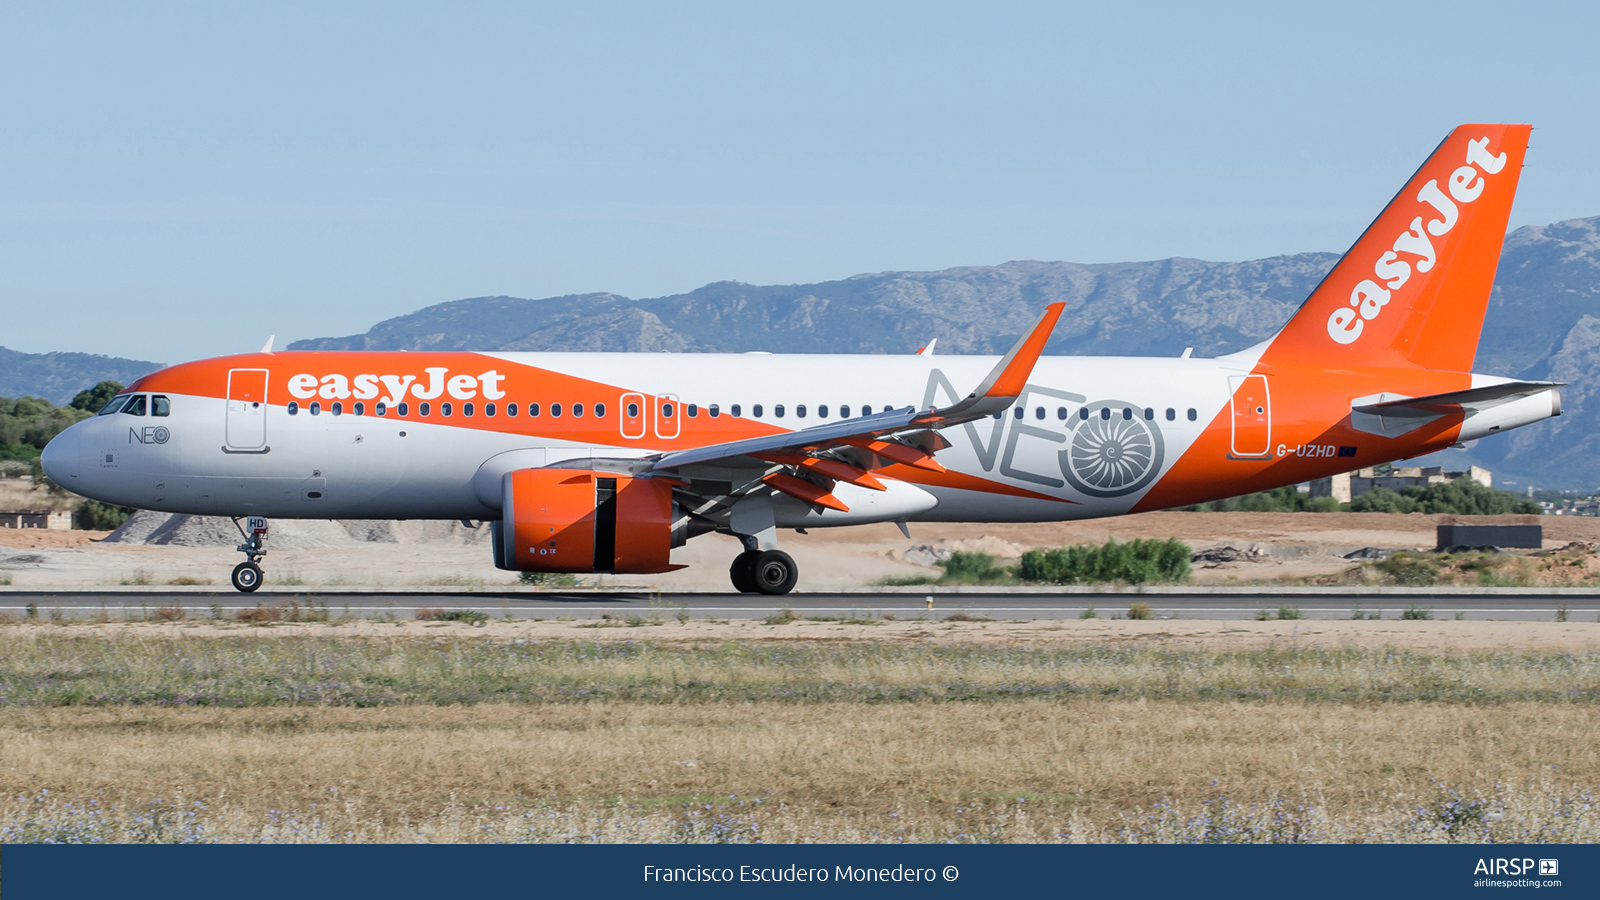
pixel 867 411
pixel 822 411
pixel 1083 413
pixel 694 410
pixel 1061 413
pixel 1149 414
pixel 715 411
pixel 1127 414
pixel 338 408
pixel 160 406
pixel 361 408
pixel 1172 414
pixel 405 409
pixel 555 410
pixel 488 410
pixel 135 406
pixel 466 409
pixel 113 405
pixel 511 410
pixel 445 409
pixel 1038 412
pixel 844 412
pixel 735 411
pixel 800 411
pixel 599 410
pixel 423 408
pixel 577 410
pixel 778 411
pixel 533 411
pixel 294 408
pixel 383 408
pixel 1192 415
pixel 756 410
pixel 1105 412
pixel 1017 413
pixel 316 407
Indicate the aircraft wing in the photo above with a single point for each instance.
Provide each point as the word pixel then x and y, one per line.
pixel 903 435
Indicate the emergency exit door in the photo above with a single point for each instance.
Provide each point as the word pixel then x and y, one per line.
pixel 247 409
pixel 1252 416
pixel 634 413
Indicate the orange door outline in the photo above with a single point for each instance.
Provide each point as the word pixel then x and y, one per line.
pixel 1252 416
pixel 634 413
pixel 247 409
pixel 667 415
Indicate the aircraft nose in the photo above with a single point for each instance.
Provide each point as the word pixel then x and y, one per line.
pixel 60 459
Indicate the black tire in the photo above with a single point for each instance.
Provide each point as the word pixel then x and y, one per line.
pixel 744 580
pixel 774 572
pixel 246 577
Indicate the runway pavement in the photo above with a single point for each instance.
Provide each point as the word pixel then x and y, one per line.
pixel 1520 604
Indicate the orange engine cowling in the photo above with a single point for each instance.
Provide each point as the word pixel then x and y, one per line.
pixel 573 520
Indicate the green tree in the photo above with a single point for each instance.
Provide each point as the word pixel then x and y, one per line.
pixel 91 400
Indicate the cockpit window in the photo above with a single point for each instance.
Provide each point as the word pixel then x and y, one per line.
pixel 160 406
pixel 135 405
pixel 113 406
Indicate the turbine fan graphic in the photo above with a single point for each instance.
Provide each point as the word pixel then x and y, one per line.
pixel 1114 455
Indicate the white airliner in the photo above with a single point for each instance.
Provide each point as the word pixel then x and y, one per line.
pixel 604 462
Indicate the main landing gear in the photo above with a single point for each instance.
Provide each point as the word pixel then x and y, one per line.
pixel 247 575
pixel 764 572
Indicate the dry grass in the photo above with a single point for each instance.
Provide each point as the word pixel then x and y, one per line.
pixel 1085 768
pixel 456 737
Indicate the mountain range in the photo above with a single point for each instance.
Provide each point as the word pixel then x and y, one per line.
pixel 1543 322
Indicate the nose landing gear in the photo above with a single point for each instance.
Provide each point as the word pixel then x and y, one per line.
pixel 247 575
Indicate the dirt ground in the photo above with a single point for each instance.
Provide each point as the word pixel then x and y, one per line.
pixel 1282 545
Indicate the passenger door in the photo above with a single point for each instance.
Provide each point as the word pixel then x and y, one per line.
pixel 1252 416
pixel 247 410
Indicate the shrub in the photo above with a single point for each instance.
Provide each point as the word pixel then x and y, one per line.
pixel 547 579
pixel 469 616
pixel 1462 497
pixel 1417 612
pixel 1286 611
pixel 1140 611
pixel 1088 613
pixel 92 515
pixel 1134 562
pixel 1405 569
pixel 971 568
pixel 260 615
pixel 782 617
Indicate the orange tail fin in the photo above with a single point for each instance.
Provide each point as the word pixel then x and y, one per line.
pixel 1414 287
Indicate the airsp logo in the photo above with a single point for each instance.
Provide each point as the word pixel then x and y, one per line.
pixel 150 434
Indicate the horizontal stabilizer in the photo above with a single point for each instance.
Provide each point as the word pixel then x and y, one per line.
pixel 1435 405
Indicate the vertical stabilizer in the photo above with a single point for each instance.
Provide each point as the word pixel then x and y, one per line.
pixel 1414 287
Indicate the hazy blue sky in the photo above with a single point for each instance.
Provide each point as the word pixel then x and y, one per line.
pixel 181 180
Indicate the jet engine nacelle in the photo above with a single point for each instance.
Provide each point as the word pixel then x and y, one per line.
pixel 574 520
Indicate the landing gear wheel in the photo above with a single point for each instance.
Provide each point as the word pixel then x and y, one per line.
pixel 744 580
pixel 246 576
pixel 774 572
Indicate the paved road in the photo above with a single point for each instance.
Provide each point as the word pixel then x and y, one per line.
pixel 1527 605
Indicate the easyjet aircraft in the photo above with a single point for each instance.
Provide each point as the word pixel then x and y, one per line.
pixel 604 462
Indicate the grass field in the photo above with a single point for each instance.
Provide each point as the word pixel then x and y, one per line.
pixel 270 736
